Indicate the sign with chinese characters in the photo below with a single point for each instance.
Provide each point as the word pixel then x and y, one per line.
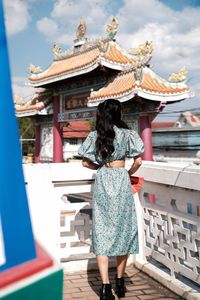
pixel 74 101
pixel 81 114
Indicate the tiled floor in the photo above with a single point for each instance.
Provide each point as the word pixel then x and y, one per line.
pixel 85 285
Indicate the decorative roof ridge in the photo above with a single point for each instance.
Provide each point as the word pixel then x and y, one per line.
pixel 88 46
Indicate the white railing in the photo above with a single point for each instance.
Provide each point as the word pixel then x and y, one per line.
pixel 169 227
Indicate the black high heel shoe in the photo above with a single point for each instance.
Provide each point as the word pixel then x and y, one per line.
pixel 106 292
pixel 120 287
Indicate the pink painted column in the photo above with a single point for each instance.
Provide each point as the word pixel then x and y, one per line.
pixel 146 135
pixel 57 137
pixel 37 144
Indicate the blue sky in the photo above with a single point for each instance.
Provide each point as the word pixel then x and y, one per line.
pixel 173 26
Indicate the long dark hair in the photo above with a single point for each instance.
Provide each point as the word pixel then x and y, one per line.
pixel 108 114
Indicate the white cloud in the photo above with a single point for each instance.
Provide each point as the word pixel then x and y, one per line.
pixel 47 26
pixel 65 17
pixel 21 89
pixel 16 15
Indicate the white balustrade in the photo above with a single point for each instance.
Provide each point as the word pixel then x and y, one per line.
pixel 171 223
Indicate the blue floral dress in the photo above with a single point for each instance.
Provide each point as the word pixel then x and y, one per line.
pixel 114 217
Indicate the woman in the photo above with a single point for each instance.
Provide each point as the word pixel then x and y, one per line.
pixel 114 217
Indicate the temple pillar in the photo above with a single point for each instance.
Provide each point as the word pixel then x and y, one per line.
pixel 57 137
pixel 146 135
pixel 37 143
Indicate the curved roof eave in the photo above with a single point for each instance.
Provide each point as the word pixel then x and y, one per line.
pixel 144 94
pixel 59 77
pixel 56 78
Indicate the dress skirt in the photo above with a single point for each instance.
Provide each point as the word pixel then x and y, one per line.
pixel 115 229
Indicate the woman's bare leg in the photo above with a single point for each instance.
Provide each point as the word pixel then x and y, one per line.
pixel 121 265
pixel 103 262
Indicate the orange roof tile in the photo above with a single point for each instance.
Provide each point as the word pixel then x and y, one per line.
pixel 116 55
pixel 69 64
pixel 124 87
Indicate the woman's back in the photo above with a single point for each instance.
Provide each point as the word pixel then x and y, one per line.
pixel 127 143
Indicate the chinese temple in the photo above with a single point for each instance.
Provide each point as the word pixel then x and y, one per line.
pixel 70 89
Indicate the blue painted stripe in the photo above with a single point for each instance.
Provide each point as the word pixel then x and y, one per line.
pixel 16 225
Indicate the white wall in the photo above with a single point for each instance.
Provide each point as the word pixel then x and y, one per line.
pixel 45 198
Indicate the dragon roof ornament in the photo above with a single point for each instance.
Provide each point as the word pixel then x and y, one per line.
pixel 143 51
pixel 111 29
pixel 179 76
pixel 34 69
pixel 56 50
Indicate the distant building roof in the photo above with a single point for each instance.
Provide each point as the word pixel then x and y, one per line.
pixel 77 129
pixel 163 124
pixel 188 119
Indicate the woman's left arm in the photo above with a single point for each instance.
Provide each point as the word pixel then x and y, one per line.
pixel 136 165
pixel 89 164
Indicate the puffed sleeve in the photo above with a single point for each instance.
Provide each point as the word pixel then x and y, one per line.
pixel 135 144
pixel 87 149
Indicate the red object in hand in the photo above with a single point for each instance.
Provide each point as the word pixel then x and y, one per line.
pixel 136 183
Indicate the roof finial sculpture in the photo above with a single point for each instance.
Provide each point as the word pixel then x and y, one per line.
pixel 34 70
pixel 179 76
pixel 111 29
pixel 143 50
pixel 81 30
pixel 56 50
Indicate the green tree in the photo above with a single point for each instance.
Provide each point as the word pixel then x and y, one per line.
pixel 27 133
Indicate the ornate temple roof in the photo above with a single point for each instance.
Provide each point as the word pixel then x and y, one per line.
pixel 106 53
pixel 36 106
pixel 135 77
pixel 142 82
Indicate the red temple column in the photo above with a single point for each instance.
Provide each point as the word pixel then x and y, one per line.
pixel 146 135
pixel 57 137
pixel 37 144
